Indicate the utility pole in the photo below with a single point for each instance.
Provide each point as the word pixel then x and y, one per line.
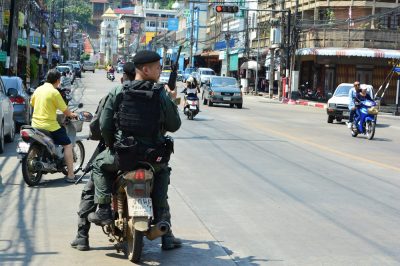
pixel 227 40
pixel 62 30
pixel 272 55
pixel 50 38
pixel 28 47
pixel 191 36
pixel 40 45
pixel 258 55
pixel 10 38
pixel 294 48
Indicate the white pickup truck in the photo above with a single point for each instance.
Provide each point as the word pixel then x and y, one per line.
pixel 338 104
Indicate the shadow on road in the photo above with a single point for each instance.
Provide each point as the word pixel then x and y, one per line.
pixel 20 249
pixel 199 252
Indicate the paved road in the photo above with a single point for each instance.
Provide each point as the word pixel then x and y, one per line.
pixel 269 184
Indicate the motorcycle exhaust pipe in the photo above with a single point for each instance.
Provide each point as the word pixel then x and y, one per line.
pixel 158 230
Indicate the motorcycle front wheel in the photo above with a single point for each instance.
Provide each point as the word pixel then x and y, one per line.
pixel 370 129
pixel 32 177
pixel 78 152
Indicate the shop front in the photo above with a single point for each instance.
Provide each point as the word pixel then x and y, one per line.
pixel 325 68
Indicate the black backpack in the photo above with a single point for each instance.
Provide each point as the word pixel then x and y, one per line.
pixel 94 126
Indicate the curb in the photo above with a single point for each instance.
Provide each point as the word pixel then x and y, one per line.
pixel 304 103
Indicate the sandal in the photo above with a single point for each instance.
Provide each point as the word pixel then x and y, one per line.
pixel 70 179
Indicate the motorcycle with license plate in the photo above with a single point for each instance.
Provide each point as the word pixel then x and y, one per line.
pixel 191 108
pixel 40 155
pixel 133 208
pixel 365 119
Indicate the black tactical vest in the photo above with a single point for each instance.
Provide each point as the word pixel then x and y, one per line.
pixel 139 110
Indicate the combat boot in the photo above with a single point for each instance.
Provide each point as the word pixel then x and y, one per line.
pixel 103 215
pixel 81 241
pixel 169 241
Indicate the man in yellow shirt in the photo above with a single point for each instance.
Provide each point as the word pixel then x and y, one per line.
pixel 46 100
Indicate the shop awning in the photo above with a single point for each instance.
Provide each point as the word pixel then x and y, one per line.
pixel 356 52
pixel 253 65
pixel 210 53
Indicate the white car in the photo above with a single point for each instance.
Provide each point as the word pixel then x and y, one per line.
pixel 164 77
pixel 338 104
pixel 204 74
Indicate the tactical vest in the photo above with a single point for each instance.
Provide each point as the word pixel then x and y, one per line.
pixel 139 111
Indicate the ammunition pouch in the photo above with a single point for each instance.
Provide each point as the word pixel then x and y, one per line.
pixel 128 152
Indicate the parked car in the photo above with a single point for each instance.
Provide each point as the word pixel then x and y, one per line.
pixel 88 66
pixel 72 70
pixel 204 74
pixel 75 62
pixel 120 68
pixel 222 90
pixel 338 104
pixel 77 68
pixel 7 125
pixel 179 76
pixel 21 101
pixel 164 77
pixel 188 71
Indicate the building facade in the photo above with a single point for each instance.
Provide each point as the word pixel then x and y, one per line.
pixel 109 37
pixel 343 41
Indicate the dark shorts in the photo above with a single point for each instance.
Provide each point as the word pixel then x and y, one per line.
pixel 60 137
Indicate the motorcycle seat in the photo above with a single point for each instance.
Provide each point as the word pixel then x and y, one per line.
pixel 46 132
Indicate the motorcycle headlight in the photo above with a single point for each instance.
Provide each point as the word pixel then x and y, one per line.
pixel 373 110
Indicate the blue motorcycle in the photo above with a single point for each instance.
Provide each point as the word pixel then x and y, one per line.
pixel 365 119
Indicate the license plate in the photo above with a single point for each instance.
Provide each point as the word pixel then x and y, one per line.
pixel 193 107
pixel 140 207
pixel 226 98
pixel 345 113
pixel 23 147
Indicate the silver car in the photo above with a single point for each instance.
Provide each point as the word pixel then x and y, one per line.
pixel 21 102
pixel 7 126
pixel 222 90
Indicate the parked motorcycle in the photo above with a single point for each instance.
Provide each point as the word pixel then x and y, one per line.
pixel 191 108
pixel 365 119
pixel 110 76
pixel 40 155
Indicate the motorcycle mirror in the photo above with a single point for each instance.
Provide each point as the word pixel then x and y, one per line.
pixel 80 105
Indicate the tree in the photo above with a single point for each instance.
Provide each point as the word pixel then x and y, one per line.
pixel 75 10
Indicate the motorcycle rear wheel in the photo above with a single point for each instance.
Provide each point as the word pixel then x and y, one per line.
pixel 370 129
pixel 78 152
pixel 30 177
pixel 135 243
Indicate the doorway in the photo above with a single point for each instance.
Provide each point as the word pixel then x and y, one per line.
pixel 364 76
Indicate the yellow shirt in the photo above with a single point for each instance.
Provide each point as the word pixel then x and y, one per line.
pixel 45 102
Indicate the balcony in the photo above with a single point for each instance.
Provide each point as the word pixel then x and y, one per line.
pixel 356 38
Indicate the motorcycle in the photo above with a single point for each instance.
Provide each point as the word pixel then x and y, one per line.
pixel 110 76
pixel 191 108
pixel 133 211
pixel 39 154
pixel 365 119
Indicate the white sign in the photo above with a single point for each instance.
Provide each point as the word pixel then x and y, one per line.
pixel 73 45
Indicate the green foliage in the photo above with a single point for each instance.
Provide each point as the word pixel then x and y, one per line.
pixel 34 64
pixel 85 57
pixel 330 15
pixel 74 10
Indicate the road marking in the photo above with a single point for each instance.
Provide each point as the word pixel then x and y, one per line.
pixel 321 147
